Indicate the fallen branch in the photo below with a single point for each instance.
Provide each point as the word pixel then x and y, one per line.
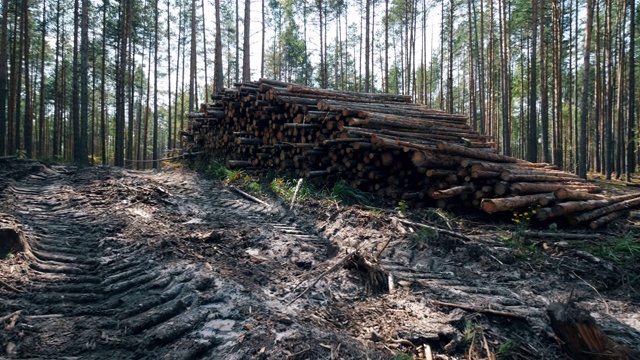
pixel 295 193
pixel 567 236
pixel 434 228
pixel 10 287
pixel 335 267
pixel 250 197
pixel 479 310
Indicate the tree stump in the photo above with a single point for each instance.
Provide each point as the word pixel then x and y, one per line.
pixel 583 339
pixel 12 240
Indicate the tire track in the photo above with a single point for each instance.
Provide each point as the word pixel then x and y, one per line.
pixel 123 267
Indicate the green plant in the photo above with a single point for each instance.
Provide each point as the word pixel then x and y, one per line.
pixel 403 356
pixel 402 207
pixel 521 220
pixel 469 331
pixel 620 249
pixel 505 349
pixel 253 187
pixel 287 187
pixel 342 191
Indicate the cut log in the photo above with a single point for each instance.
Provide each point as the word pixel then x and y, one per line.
pixel 574 206
pixel 451 192
pixel 590 215
pixel 511 203
pixel 568 194
pixel 537 176
pixel 607 218
pixel 534 187
pixel 460 150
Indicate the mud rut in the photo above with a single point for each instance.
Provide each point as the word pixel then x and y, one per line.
pixel 108 280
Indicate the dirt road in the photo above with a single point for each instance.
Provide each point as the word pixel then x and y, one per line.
pixel 130 265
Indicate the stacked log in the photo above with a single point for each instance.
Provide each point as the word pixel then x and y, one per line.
pixel 384 144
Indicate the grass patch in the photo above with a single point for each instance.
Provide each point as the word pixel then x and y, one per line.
pixel 285 188
pixel 619 250
pixel 343 192
pixel 506 349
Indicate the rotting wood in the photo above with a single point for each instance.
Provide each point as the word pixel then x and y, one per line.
pixel 582 338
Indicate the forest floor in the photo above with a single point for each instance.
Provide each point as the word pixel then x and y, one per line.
pixel 169 265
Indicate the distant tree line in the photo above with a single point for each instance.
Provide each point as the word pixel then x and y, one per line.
pixel 111 82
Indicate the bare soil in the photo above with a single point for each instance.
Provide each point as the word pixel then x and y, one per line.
pixel 168 265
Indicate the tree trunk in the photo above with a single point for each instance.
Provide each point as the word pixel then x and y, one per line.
pixel 103 70
pixel 532 134
pixel 75 86
pixel 3 76
pixel 557 77
pixel 631 132
pixel 262 59
pixel 386 46
pixel 218 76
pixel 169 124
pixel 367 44
pixel 204 52
pixel 41 117
pixel 544 93
pixel 28 120
pixel 121 84
pixel 83 156
pixel 608 110
pixel 584 104
pixel 192 66
pixel 155 88
pixel 246 52
pixel 450 68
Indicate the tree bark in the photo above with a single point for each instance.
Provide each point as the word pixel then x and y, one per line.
pixel 584 104
pixel 246 51
pixel 83 156
pixel 532 135
pixel 218 76
pixel 631 102
pixel 3 76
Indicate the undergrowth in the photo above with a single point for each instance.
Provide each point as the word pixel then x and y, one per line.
pixel 620 250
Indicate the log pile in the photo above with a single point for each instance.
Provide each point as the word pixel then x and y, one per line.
pixel 387 145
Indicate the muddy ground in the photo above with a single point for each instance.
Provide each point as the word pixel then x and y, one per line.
pixel 169 265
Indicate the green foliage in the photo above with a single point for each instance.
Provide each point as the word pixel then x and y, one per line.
pixel 403 356
pixel 620 250
pixel 343 192
pixel 522 220
pixel 216 170
pixel 469 331
pixel 287 187
pixel 402 207
pixel 505 349
pixel 252 186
